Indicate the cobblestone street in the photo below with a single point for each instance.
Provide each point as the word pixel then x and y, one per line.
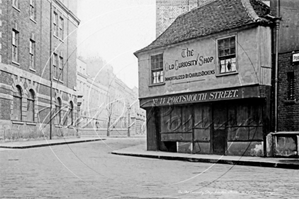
pixel 88 170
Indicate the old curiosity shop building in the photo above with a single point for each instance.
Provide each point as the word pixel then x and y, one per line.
pixel 205 82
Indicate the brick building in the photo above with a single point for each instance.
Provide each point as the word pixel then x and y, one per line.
pixel 36 36
pixel 168 10
pixel 286 121
pixel 205 82
pixel 109 106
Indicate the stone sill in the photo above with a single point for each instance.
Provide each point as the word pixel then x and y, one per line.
pixel 34 21
pixel 158 84
pixel 226 74
pixel 16 63
pixel 16 8
pixel 31 69
pixel 31 123
pixel 17 122
pixel 286 133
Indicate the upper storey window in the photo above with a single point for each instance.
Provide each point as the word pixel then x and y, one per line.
pixel 227 55
pixel 157 71
pixel 32 10
pixel 55 23
pixel 15 45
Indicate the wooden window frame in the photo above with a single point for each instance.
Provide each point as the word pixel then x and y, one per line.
pixel 157 69
pixel 227 55
pixel 31 54
pixel 61 28
pixel 31 99
pixel 32 10
pixel 60 68
pixel 15 45
pixel 18 95
pixel 55 23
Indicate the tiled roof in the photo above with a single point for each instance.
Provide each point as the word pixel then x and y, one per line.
pixel 216 16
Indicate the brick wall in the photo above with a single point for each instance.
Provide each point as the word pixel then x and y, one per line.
pixel 13 74
pixel 288 110
pixel 168 10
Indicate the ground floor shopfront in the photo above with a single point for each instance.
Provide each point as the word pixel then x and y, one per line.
pixel 226 122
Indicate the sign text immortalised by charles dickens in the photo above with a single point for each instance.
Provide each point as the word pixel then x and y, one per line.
pixel 189 59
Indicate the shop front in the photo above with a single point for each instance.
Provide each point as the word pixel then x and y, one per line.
pixel 226 122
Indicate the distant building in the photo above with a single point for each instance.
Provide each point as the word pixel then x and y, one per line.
pixel 205 82
pixel 32 32
pixel 168 10
pixel 109 106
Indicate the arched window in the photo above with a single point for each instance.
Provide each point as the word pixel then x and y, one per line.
pixel 58 111
pixel 17 104
pixel 30 106
pixel 71 114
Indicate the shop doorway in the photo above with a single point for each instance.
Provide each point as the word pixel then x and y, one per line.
pixel 219 141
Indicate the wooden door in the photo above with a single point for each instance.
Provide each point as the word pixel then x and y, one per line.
pixel 219 140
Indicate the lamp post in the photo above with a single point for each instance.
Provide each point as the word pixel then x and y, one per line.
pixel 128 125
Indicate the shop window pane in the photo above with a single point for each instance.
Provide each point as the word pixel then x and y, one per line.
pixel 242 115
pixel 255 133
pixel 187 119
pixel 176 125
pixel 165 115
pixel 238 133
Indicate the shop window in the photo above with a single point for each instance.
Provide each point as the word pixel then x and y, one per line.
pixel 32 54
pixel 32 10
pixel 227 55
pixel 58 111
pixel 30 106
pixel 15 45
pixel 157 72
pixel 291 86
pixel 17 104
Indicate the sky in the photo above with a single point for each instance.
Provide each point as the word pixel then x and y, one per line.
pixel 114 30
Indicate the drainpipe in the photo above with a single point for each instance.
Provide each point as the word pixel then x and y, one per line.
pixel 50 70
pixel 276 62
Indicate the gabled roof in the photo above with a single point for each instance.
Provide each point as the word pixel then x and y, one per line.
pixel 216 16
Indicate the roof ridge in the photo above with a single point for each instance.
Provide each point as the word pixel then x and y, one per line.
pixel 211 17
pixel 181 15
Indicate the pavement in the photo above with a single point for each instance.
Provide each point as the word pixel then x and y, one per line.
pixel 46 142
pixel 140 151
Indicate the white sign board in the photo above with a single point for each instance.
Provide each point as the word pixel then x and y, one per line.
pixel 296 57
